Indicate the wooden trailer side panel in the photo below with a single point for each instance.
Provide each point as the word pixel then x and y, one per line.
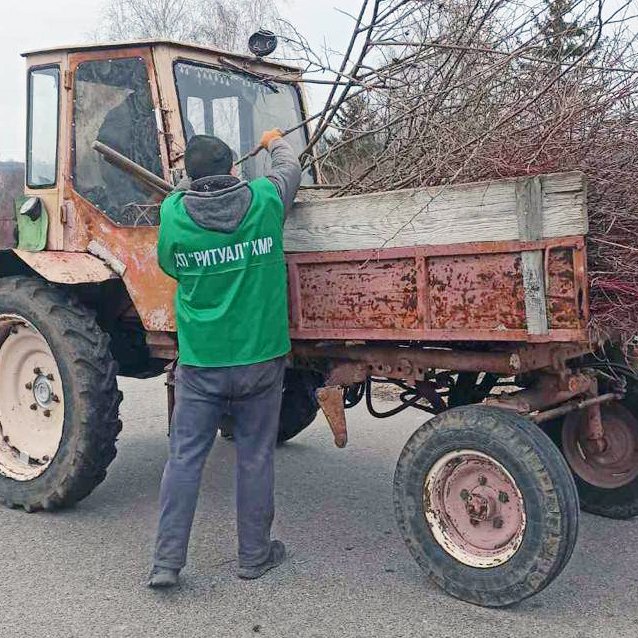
pixel 523 209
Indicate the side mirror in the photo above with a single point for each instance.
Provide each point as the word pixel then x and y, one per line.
pixel 32 208
pixel 33 224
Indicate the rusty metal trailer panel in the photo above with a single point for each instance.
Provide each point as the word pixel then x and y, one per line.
pixel 461 292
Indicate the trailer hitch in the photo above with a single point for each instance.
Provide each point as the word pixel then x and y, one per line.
pixel 330 399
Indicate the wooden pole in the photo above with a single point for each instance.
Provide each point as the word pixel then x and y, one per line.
pixel 152 181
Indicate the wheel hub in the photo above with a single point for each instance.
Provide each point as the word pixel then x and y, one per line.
pixel 614 462
pixel 474 508
pixel 43 391
pixel 31 400
pixel 480 506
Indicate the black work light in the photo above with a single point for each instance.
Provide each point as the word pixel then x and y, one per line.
pixel 262 43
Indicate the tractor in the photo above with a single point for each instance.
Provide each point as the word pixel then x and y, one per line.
pixel 82 298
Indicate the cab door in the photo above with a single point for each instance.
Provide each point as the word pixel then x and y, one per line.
pixel 115 101
pixel 44 157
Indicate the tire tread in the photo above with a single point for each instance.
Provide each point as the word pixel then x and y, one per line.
pixel 96 396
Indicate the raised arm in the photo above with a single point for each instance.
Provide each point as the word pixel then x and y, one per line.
pixel 285 173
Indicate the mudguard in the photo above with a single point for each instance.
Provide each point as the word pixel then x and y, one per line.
pixel 66 267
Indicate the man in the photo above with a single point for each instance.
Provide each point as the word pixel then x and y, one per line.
pixel 222 240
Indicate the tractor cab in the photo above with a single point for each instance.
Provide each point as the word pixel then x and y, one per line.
pixel 145 100
pixel 142 101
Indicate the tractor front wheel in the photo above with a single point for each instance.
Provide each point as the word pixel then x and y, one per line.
pixel 59 399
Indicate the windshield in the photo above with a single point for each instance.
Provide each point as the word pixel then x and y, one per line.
pixel 238 108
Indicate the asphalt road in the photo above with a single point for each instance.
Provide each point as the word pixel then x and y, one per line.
pixel 82 572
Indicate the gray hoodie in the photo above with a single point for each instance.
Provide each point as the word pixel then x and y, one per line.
pixel 220 202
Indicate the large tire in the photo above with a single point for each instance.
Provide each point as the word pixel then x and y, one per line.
pixel 526 529
pixel 299 404
pixel 90 398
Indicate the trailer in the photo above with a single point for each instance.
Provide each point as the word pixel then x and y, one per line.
pixel 531 417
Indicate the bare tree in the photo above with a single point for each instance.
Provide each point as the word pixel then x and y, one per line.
pixel 223 23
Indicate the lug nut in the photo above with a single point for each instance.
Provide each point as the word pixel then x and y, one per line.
pixel 37 371
pixel 45 459
pixel 482 480
pixel 498 522
pixel 28 385
pixel 503 497
pixel 47 413
pixel 55 398
pixel 465 495
pixel 34 406
pixel 50 377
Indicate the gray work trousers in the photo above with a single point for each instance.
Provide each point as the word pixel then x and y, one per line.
pixel 252 396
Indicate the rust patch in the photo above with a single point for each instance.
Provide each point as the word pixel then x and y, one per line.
pixel 355 294
pixel 561 290
pixel 477 291
pixel 67 268
pixel 462 292
pixel 149 288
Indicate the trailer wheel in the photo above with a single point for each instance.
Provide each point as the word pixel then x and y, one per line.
pixel 606 478
pixel 299 405
pixel 486 505
pixel 58 397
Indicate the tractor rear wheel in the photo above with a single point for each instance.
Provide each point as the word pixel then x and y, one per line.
pixel 486 505
pixel 59 399
pixel 299 404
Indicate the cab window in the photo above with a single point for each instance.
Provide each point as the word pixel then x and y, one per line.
pixel 42 126
pixel 238 108
pixel 113 105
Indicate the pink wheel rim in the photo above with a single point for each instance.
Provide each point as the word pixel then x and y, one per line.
pixel 615 462
pixel 474 508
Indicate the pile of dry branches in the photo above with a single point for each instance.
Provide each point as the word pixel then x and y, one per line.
pixel 448 92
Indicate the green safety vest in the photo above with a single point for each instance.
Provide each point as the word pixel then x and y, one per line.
pixel 231 302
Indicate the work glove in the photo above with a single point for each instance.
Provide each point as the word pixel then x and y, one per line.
pixel 270 136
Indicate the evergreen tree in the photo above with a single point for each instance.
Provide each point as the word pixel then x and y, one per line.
pixel 564 37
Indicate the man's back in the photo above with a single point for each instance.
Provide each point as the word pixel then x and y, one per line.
pixel 231 299
pixel 222 240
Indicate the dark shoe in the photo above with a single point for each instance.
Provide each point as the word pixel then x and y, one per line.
pixel 163 578
pixel 276 558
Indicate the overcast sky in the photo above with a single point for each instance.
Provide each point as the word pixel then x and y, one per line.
pixel 34 24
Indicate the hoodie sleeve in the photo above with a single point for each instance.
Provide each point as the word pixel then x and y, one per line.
pixel 285 173
pixel 165 247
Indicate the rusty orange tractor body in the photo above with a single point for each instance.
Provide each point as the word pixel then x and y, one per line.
pixel 81 295
pixel 179 86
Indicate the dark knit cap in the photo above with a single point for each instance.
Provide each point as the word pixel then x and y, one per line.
pixel 207 155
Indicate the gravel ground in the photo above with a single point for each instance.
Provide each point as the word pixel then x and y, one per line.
pixel 82 572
